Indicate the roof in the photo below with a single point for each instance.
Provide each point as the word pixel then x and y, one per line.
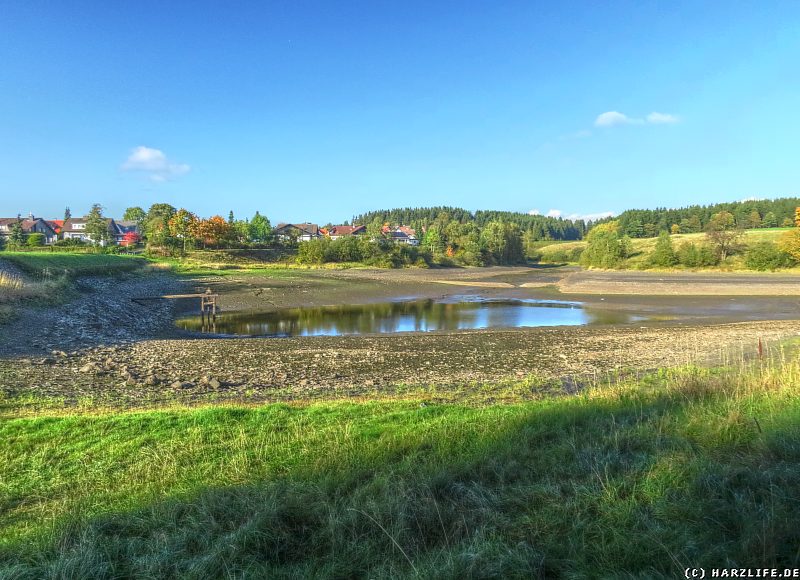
pixel 68 224
pixel 407 230
pixel 125 226
pixel 346 230
pixel 306 228
pixel 27 223
pixel 399 232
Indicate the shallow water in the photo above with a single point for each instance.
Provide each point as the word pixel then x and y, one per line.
pixel 456 313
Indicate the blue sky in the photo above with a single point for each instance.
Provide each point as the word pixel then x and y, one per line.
pixel 319 110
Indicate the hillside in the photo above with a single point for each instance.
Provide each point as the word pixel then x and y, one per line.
pixel 568 252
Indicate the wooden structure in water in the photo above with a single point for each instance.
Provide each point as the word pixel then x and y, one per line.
pixel 208 302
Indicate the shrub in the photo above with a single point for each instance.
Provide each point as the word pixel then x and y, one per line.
pixel 697 255
pixel 35 240
pixel 312 251
pixel 604 248
pixel 766 255
pixel 562 255
pixel 663 255
pixel 71 243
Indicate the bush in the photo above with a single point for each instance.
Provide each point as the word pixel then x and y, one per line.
pixel 562 255
pixel 663 255
pixel 312 252
pixel 604 247
pixel 697 255
pixel 766 255
pixel 35 240
pixel 71 243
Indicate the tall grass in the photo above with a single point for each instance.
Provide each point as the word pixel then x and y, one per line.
pixel 636 477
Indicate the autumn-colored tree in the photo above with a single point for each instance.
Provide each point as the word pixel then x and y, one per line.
pixel 182 226
pixel 675 229
pixel 131 239
pixel 212 231
pixel 790 243
pixel 797 216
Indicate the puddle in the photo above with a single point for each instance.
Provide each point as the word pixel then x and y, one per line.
pixel 454 313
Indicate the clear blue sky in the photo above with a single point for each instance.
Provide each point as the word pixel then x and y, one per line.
pixel 319 110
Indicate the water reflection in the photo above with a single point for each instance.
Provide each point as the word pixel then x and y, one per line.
pixel 409 316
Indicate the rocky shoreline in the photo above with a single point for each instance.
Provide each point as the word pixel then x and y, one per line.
pixel 448 366
pixel 103 313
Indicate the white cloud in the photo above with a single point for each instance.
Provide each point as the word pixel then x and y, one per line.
pixel 661 118
pixel 612 118
pixel 534 212
pixel 154 163
pixel 589 217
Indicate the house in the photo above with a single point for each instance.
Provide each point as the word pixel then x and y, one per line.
pixel 56 225
pixel 123 228
pixel 401 235
pixel 75 229
pixel 336 232
pixel 30 225
pixel 300 232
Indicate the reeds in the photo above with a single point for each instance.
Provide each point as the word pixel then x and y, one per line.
pixel 9 281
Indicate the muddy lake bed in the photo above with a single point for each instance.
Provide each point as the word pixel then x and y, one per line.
pixel 451 313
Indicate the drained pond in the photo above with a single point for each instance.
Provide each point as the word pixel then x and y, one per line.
pixel 456 313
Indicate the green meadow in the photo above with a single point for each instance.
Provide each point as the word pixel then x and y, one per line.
pixel 639 477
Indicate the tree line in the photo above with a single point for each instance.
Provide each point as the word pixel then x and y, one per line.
pixel 537 227
pixel 169 229
pixel 608 246
pixel 762 213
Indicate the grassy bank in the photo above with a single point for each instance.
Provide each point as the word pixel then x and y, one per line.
pixel 45 276
pixel 40 265
pixel 686 467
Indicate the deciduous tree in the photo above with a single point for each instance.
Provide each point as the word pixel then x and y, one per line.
pixel 182 226
pixel 723 234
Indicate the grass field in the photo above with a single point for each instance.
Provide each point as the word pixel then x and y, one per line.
pixel 642 247
pixel 47 264
pixel 684 467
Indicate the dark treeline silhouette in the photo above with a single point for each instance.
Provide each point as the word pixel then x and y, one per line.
pixel 761 213
pixel 539 227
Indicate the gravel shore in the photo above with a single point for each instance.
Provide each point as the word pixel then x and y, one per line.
pixel 452 366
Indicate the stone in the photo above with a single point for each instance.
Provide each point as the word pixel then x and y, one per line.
pixel 181 385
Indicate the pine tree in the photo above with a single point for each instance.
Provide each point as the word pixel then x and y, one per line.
pixel 97 226
pixel 16 238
